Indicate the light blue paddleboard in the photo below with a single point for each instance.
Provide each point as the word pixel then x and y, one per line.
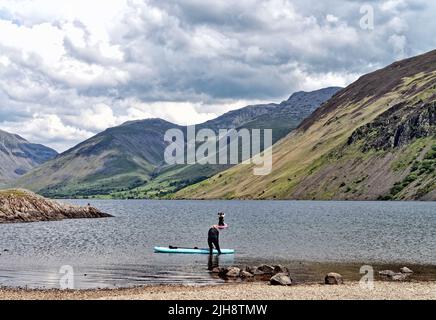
pixel 191 251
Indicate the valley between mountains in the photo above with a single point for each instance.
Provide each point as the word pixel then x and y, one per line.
pixel 127 161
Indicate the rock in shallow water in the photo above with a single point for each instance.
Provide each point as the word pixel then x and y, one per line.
pixel 386 273
pixel 233 272
pixel 280 269
pixel 399 277
pixel 405 270
pixel 393 276
pixel 264 270
pixel 333 278
pixel 281 279
pixel 216 270
pixel 246 275
pixel 250 269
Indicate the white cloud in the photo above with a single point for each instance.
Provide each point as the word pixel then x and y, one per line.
pixel 392 5
pixel 95 118
pixel 48 129
pixel 331 18
pixel 398 43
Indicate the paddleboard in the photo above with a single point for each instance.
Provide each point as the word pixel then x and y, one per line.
pixel 191 250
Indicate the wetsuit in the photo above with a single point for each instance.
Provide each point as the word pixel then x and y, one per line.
pixel 221 221
pixel 213 240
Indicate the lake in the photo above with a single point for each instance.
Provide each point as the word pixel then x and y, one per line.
pixel 311 237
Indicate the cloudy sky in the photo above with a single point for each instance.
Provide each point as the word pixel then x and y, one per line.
pixel 69 69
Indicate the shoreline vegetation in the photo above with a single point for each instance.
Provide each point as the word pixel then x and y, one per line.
pixel 382 290
pixel 19 205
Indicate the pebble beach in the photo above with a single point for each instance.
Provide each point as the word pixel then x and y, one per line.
pixel 383 290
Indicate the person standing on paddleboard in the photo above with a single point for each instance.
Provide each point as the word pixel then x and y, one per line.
pixel 213 239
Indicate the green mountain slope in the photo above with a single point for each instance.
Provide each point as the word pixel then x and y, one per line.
pixel 119 158
pixel 128 161
pixel 18 156
pixel 282 118
pixel 374 139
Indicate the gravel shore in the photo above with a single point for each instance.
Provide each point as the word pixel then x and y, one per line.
pixel 247 291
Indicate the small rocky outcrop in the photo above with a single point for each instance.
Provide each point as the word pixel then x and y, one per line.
pixel 333 278
pixel 17 205
pixel 397 126
pixel 280 279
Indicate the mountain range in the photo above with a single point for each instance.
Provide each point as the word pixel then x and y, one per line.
pixel 18 156
pixel 375 139
pixel 127 161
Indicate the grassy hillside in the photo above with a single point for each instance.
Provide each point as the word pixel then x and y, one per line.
pixel 372 140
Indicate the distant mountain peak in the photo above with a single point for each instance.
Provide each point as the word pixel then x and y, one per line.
pixel 327 90
pixel 147 121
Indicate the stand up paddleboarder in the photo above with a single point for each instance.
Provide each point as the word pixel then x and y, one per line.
pixel 213 239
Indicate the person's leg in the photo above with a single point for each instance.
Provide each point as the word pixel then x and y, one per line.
pixel 217 245
pixel 210 243
pixel 210 263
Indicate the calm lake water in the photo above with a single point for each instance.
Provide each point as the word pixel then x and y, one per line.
pixel 311 237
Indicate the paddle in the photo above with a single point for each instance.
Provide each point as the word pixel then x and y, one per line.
pixel 196 248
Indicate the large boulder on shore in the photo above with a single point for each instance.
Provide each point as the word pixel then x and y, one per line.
pixel 17 205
